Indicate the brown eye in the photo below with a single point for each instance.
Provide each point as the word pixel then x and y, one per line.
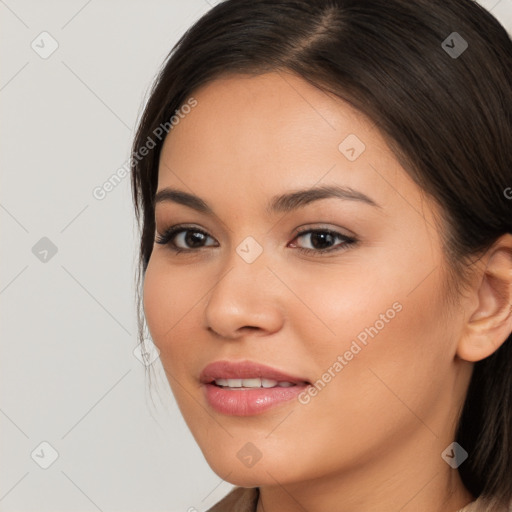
pixel 324 240
pixel 177 236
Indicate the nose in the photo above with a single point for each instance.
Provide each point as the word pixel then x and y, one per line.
pixel 247 298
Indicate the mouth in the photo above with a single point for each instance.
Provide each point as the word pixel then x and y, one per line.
pixel 248 388
pixel 252 383
pixel 247 374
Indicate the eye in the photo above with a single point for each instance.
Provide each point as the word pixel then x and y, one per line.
pixel 190 239
pixel 194 237
pixel 320 238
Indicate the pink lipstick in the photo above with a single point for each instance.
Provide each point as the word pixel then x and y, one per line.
pixel 247 388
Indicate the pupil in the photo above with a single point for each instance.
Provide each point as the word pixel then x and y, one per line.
pixel 192 237
pixel 320 236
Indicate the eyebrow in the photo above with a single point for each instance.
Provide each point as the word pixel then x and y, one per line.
pixel 283 203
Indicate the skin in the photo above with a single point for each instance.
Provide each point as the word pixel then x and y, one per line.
pixel 372 438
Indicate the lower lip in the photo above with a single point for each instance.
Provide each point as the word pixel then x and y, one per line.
pixel 249 401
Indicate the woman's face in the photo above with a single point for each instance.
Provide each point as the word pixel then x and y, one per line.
pixel 363 331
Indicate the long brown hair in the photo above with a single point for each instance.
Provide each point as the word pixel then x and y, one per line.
pixel 436 78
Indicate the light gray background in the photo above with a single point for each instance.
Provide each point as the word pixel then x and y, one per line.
pixel 68 373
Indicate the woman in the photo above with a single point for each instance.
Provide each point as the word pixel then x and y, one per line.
pixel 324 190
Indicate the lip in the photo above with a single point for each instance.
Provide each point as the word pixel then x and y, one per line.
pixel 244 370
pixel 247 402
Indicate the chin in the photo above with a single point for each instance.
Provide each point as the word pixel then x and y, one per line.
pixel 231 467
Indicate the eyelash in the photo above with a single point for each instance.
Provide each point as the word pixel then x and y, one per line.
pixel 169 234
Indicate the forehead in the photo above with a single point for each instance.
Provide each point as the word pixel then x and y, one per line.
pixel 258 135
pixel 275 115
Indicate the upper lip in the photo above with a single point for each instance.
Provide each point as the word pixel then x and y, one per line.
pixel 245 370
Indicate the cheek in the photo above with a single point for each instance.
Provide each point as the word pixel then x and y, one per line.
pixel 168 295
pixel 376 338
pixel 383 384
pixel 155 302
pixel 173 299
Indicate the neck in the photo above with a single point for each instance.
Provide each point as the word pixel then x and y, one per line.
pixel 390 482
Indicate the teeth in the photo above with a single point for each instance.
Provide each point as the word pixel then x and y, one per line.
pixel 268 383
pixel 252 383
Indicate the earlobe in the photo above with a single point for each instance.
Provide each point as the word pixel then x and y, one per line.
pixel 489 324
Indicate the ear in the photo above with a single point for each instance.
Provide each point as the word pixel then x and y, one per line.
pixel 490 321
